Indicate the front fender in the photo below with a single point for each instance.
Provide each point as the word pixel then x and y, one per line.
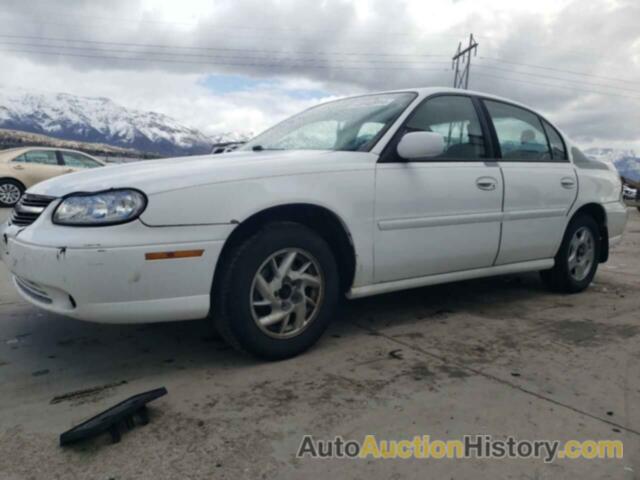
pixel 348 194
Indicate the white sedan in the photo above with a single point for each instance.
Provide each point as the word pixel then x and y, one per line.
pixel 355 197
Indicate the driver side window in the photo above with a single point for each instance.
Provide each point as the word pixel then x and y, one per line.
pixel 455 118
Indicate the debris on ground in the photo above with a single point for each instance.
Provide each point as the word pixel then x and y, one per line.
pixel 111 419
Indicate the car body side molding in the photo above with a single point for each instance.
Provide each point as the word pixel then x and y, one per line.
pixel 416 282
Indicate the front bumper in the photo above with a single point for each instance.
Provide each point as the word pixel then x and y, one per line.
pixel 113 284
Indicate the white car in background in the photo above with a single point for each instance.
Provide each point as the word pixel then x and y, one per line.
pixel 355 197
pixel 629 193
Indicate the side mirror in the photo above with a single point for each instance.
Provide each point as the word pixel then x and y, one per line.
pixel 415 145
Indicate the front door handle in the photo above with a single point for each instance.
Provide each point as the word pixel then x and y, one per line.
pixel 18 167
pixel 568 183
pixel 486 183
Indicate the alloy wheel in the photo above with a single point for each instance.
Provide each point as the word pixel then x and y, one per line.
pixel 9 193
pixel 287 293
pixel 581 254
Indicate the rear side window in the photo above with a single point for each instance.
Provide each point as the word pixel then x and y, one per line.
pixel 520 133
pixel 558 150
pixel 42 157
pixel 76 160
pixel 455 118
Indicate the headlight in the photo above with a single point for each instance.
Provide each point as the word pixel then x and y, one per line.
pixel 99 209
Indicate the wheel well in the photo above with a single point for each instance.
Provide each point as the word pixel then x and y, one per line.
pixel 14 180
pixel 598 213
pixel 319 219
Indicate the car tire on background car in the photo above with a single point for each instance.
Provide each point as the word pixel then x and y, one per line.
pixel 577 259
pixel 10 192
pixel 278 291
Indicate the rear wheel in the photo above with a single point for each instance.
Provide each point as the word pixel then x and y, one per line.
pixel 278 291
pixel 10 192
pixel 577 260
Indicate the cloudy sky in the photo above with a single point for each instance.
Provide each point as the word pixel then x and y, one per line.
pixel 236 65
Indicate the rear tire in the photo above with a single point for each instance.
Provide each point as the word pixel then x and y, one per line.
pixel 10 192
pixel 577 259
pixel 278 291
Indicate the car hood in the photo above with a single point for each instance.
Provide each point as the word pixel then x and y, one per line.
pixel 154 176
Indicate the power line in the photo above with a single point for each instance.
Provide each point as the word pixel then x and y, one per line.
pixel 297 65
pixel 194 62
pixel 201 55
pixel 197 48
pixel 551 85
pixel 553 69
pixel 539 46
pixel 518 72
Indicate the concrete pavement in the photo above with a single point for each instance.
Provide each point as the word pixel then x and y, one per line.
pixel 498 356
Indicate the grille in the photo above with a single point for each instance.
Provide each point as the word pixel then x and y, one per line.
pixel 29 208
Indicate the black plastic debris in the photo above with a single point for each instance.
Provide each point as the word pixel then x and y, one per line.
pixel 111 420
pixel 397 354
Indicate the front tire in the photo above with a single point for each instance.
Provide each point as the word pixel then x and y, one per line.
pixel 278 292
pixel 10 192
pixel 577 260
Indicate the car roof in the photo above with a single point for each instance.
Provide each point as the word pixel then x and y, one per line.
pixel 424 92
pixel 427 91
pixel 10 153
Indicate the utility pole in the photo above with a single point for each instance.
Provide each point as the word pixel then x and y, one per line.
pixel 461 75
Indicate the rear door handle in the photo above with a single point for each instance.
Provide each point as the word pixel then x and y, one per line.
pixel 486 183
pixel 568 183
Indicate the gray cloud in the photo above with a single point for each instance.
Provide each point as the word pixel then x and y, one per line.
pixel 312 40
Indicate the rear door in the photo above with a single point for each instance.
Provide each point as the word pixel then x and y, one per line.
pixel 540 183
pixel 442 214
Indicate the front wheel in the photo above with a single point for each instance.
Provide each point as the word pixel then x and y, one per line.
pixel 10 192
pixel 278 292
pixel 577 260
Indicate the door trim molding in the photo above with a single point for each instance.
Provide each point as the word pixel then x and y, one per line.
pixel 533 214
pixel 441 221
pixel 485 217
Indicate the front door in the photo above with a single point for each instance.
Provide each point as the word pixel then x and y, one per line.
pixel 35 166
pixel 540 183
pixel 440 214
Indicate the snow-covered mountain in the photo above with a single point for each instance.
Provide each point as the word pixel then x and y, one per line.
pixel 626 161
pixel 609 155
pixel 97 119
